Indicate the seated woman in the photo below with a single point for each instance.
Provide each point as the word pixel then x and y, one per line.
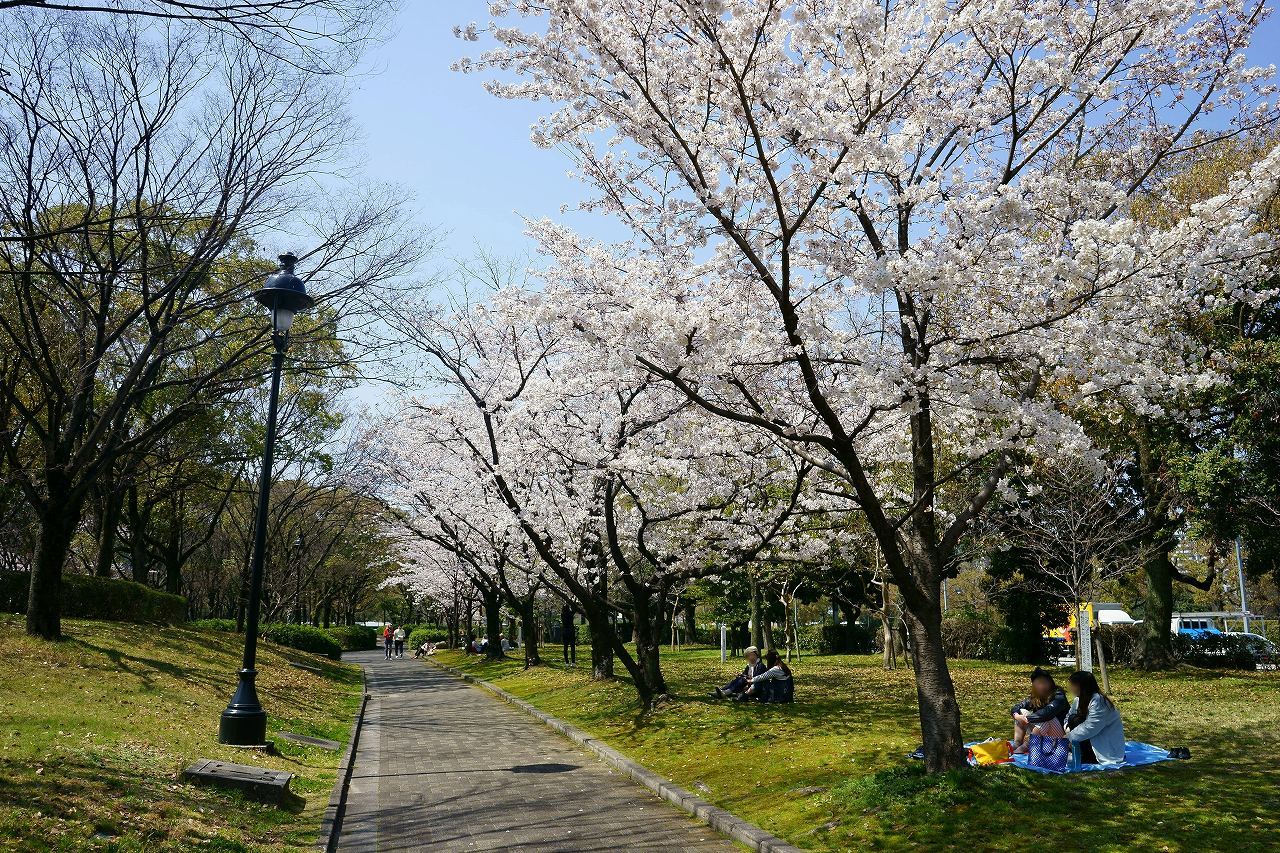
pixel 774 684
pixel 1043 712
pixel 1094 723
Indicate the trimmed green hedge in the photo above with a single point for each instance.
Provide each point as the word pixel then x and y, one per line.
pixel 430 634
pixel 1122 644
pixel 306 638
pixel 354 638
pixel 228 625
pixel 90 597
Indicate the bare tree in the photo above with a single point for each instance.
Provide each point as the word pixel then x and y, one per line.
pixel 327 36
pixel 1081 528
pixel 135 163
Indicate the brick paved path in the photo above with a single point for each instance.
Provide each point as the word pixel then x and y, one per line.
pixel 445 766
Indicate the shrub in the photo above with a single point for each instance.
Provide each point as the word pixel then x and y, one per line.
pixel 855 639
pixel 90 597
pixel 427 634
pixel 306 638
pixel 973 638
pixel 228 625
pixel 1122 644
pixel 354 638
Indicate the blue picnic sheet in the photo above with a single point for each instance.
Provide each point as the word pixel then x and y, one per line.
pixel 1136 754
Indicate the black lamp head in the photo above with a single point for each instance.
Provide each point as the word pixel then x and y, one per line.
pixel 284 294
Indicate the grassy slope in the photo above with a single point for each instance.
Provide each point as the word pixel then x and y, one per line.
pixel 95 731
pixel 854 722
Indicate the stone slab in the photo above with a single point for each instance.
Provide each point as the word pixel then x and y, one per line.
pixel 307 740
pixel 261 783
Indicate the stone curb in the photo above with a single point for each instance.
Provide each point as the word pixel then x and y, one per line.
pixel 331 824
pixel 713 816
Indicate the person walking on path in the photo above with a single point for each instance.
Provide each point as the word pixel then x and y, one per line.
pixel 398 636
pixel 569 634
pixel 386 640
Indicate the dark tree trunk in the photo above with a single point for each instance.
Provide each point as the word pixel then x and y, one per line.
pixel 492 623
pixel 529 628
pixel 602 639
pixel 44 595
pixel 648 632
pixel 939 711
pixel 690 621
pixel 1157 637
pixel 108 527
pixel 757 632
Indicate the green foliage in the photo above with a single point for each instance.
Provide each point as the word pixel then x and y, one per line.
pixel 427 634
pixel 89 597
pixel 829 639
pixel 354 638
pixel 213 625
pixel 306 638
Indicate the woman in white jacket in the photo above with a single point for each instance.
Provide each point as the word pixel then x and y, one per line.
pixel 1093 723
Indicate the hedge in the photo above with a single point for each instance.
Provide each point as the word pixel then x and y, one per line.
pixel 1122 644
pixel 354 638
pixel 228 625
pixel 827 639
pixel 427 634
pixel 91 597
pixel 306 638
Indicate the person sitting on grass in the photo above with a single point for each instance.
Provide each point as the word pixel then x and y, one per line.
pixel 1041 713
pixel 427 648
pixel 740 684
pixel 774 684
pixel 1093 723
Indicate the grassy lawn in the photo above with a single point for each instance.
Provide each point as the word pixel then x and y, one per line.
pixel 829 772
pixel 95 731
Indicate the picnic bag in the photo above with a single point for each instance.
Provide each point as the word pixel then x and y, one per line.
pixel 991 752
pixel 1048 753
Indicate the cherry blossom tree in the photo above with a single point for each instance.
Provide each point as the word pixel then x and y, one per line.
pixel 883 232
pixel 612 480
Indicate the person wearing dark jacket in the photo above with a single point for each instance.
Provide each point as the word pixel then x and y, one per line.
pixel 740 684
pixel 775 683
pixel 569 634
pixel 1042 713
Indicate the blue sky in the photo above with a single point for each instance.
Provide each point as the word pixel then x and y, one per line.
pixel 465 154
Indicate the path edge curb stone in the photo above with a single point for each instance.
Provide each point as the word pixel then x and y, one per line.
pixel 331 823
pixel 722 821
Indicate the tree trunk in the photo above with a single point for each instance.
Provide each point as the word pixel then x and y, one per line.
pixel 44 595
pixel 757 634
pixel 529 628
pixel 939 711
pixel 492 624
pixel 1157 639
pixel 690 622
pixel 769 642
pixel 108 528
pixel 648 632
pixel 602 637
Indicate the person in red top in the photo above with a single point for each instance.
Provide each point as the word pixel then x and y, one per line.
pixel 386 640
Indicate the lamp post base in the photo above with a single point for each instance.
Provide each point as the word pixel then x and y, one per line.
pixel 244 723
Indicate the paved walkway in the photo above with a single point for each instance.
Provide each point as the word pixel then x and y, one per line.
pixel 443 765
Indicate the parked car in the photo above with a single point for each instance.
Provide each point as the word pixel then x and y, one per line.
pixel 1265 654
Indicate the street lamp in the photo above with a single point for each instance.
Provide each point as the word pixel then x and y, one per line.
pixel 244 723
pixel 297 580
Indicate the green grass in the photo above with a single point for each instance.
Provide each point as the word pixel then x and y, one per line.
pixel 96 730
pixel 829 772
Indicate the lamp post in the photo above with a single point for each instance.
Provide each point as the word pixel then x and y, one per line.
pixel 244 723
pixel 297 580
